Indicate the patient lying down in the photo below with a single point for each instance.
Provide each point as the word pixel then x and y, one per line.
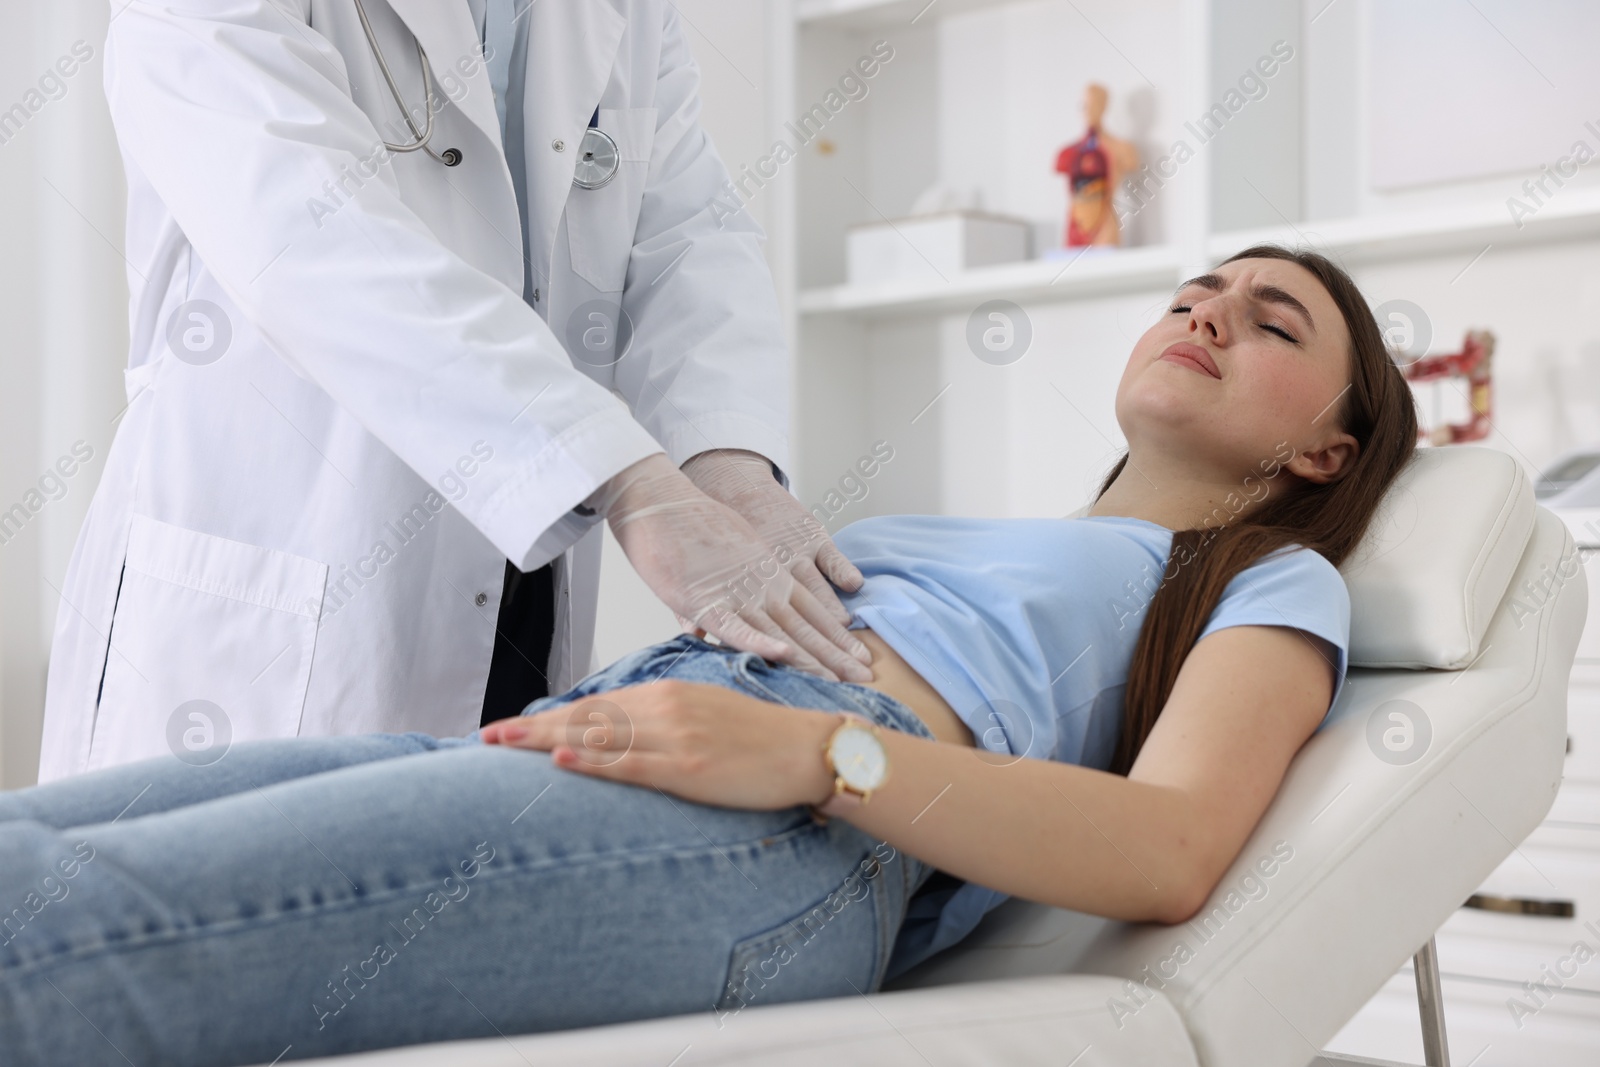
pixel 1091 713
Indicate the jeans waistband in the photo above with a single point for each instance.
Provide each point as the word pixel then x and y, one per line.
pixel 783 684
pixel 689 658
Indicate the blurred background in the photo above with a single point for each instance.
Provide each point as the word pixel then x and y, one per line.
pixel 901 155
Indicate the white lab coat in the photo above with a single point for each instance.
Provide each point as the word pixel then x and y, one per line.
pixel 310 532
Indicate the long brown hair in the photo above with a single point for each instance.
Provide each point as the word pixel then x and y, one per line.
pixel 1377 410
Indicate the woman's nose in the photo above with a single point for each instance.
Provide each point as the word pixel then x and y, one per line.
pixel 1209 317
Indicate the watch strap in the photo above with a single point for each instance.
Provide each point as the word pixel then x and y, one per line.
pixel 842 801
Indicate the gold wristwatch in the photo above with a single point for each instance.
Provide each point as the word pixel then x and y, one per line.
pixel 859 762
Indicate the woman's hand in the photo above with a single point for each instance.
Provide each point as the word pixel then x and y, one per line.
pixel 705 743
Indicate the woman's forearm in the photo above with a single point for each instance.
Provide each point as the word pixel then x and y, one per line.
pixel 1046 831
pixel 1056 833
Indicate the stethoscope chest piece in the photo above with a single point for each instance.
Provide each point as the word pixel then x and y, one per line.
pixel 597 159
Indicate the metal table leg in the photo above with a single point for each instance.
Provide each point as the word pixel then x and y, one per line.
pixel 1430 1003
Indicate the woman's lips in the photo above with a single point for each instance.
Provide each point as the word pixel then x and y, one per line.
pixel 1192 356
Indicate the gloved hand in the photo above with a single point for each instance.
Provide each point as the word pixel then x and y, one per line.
pixel 718 575
pixel 743 480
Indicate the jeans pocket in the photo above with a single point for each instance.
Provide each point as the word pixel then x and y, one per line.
pixel 833 947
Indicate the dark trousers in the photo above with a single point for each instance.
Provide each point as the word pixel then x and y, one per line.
pixel 522 637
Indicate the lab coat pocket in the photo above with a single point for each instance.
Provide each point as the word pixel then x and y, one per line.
pixel 211 643
pixel 601 222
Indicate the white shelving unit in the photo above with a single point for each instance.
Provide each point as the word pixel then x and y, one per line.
pixel 1466 228
pixel 983 93
pixel 1355 241
pixel 884 362
pixel 1092 273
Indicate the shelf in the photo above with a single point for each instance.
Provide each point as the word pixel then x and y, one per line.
pixel 1467 229
pixel 1096 273
pixel 1572 214
pixel 871 14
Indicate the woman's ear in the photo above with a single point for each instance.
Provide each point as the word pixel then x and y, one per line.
pixel 1327 463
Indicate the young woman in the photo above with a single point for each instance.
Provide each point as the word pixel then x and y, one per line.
pixel 1091 713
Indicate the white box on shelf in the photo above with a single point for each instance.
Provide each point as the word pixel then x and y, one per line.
pixel 933 247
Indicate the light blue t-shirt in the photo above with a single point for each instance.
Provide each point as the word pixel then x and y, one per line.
pixel 1027 628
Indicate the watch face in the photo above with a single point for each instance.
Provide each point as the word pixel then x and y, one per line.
pixel 859 758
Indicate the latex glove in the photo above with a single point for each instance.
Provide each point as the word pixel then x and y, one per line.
pixel 718 575
pixel 743 480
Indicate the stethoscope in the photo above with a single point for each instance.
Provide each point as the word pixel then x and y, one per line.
pixel 597 154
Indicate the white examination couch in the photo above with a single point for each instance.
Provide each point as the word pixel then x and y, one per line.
pixel 1444 752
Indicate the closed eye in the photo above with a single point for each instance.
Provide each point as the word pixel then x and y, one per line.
pixel 1269 327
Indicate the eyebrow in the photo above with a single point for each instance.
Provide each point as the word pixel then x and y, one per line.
pixel 1269 294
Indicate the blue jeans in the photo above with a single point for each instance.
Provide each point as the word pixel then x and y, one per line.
pixel 314 896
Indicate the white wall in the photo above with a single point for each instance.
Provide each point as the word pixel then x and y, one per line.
pixel 63 301
pixel 1433 94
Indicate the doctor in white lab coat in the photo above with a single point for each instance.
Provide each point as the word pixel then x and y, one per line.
pixel 369 393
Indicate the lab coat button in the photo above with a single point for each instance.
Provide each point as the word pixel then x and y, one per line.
pixel 481 599
pixel 559 145
pixel 536 296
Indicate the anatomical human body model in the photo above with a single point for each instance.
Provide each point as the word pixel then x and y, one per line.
pixel 1093 166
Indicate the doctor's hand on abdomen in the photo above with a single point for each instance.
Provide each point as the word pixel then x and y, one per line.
pixel 745 481
pixel 715 571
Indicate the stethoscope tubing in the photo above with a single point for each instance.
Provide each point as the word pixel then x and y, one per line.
pixel 603 144
pixel 451 156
